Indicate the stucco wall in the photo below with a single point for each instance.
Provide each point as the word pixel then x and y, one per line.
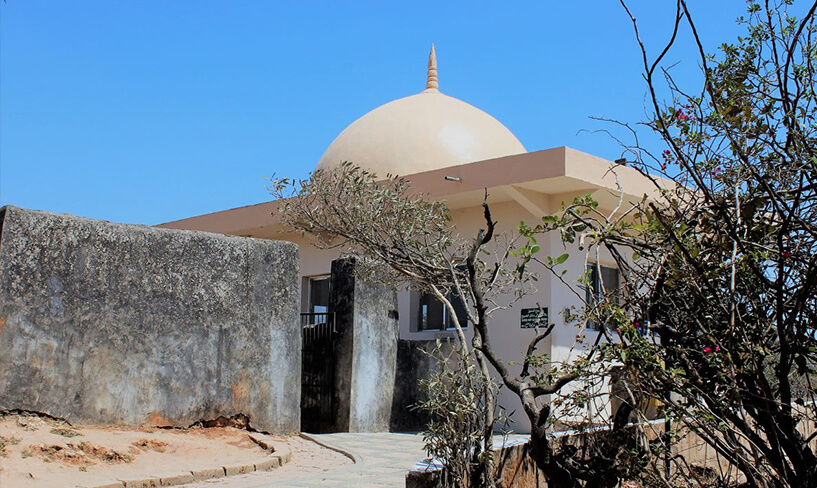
pixel 366 319
pixel 508 338
pixel 110 323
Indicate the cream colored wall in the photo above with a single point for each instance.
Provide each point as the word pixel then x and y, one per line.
pixel 508 338
pixel 565 348
pixel 314 261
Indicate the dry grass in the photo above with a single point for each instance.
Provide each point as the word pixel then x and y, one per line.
pixel 65 432
pixel 82 454
pixel 149 445
pixel 7 441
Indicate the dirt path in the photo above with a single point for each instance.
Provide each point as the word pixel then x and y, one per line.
pixel 37 452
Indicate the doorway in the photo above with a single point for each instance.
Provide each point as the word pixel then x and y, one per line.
pixel 318 402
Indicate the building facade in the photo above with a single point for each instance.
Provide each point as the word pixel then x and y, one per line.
pixel 454 152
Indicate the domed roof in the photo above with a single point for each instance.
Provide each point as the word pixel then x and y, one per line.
pixel 419 133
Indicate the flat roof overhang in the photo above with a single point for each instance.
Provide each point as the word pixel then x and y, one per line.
pixel 536 180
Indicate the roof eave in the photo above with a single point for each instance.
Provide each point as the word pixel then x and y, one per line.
pixel 552 172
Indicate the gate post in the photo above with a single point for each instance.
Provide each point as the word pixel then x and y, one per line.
pixel 366 352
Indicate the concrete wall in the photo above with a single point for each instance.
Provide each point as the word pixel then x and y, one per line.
pixel 414 364
pixel 108 323
pixel 366 319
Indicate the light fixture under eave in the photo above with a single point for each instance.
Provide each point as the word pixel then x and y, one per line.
pixel 453 178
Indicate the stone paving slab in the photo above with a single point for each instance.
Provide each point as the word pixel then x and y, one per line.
pixel 381 460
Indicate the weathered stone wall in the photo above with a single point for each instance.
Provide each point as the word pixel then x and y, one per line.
pixel 123 324
pixel 414 364
pixel 366 320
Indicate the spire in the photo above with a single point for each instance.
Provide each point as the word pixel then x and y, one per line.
pixel 431 81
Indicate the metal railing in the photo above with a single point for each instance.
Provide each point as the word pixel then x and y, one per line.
pixel 318 371
pixel 312 320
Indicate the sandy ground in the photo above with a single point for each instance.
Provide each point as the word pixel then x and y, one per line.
pixel 37 452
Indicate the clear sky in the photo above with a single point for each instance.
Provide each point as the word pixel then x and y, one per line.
pixel 147 112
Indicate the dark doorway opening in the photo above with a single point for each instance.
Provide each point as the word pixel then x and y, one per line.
pixel 318 402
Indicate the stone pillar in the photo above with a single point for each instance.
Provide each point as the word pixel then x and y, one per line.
pixel 366 353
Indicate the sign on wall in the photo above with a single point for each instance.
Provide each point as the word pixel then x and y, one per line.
pixel 534 317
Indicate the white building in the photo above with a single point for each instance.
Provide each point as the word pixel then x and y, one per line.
pixel 453 151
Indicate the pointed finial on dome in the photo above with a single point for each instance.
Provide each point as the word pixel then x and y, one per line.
pixel 431 81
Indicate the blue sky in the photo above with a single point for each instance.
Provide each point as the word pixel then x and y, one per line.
pixel 147 112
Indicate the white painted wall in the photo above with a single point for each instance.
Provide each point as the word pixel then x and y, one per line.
pixel 508 338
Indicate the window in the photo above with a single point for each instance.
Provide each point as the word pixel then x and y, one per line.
pixel 604 280
pixel 319 294
pixel 434 315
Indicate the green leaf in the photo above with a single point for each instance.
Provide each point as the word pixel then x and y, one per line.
pixel 561 259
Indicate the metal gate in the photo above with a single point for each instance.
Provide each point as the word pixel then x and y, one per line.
pixel 318 372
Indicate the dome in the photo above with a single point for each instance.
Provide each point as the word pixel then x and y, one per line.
pixel 419 133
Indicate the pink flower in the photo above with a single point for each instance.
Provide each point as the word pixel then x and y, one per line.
pixel 707 349
pixel 785 254
pixel 664 166
pixel 717 348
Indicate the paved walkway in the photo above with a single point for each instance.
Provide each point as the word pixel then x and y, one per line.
pixel 381 461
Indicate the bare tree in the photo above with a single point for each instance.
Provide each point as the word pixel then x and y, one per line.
pixel 391 224
pixel 719 312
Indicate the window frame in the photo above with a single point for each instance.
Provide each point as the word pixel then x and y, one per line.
pixel 446 324
pixel 310 305
pixel 596 289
